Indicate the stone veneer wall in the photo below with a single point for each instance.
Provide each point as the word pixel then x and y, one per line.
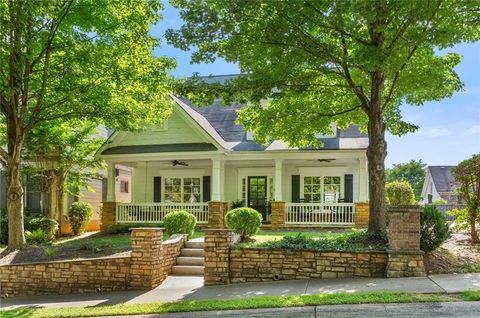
pixel 105 274
pixel 254 264
pixel 64 277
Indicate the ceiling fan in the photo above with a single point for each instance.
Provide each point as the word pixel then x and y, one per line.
pixel 179 163
pixel 325 160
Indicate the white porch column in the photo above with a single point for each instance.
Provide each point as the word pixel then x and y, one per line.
pixel 111 182
pixel 217 180
pixel 363 180
pixel 278 179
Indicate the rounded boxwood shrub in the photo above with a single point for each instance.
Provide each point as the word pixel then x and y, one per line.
pixel 433 229
pixel 179 222
pixel 79 215
pixel 48 226
pixel 244 221
pixel 399 193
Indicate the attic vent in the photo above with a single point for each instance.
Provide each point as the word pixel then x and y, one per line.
pixel 249 135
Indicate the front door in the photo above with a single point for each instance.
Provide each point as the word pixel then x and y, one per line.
pixel 257 195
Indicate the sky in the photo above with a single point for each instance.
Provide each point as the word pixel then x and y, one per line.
pixel 449 129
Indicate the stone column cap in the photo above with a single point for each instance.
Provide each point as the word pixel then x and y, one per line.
pixel 146 228
pixel 404 209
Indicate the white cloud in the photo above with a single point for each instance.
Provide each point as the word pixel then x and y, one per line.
pixel 434 132
pixel 474 130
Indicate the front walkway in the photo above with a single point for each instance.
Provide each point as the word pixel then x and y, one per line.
pixel 191 287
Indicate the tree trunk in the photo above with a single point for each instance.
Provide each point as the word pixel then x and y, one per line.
pixel 16 236
pixel 376 154
pixel 473 230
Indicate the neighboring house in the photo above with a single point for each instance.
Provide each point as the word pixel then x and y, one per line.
pixel 440 184
pixel 201 154
pixel 33 200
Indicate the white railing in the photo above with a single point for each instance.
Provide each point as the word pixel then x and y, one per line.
pixel 155 212
pixel 320 214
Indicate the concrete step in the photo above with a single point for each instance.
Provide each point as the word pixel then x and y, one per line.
pixel 192 252
pixel 185 260
pixel 187 270
pixel 194 244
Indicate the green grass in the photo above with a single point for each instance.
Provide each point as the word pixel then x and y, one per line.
pixel 471 268
pixel 243 303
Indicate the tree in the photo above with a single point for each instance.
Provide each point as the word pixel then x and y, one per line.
pixel 412 171
pixel 81 59
pixel 318 62
pixel 63 154
pixel 468 174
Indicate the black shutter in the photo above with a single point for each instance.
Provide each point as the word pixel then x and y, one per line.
pixel 348 188
pixel 157 189
pixel 206 189
pixel 296 188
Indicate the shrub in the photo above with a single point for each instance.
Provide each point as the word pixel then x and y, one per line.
pixel 179 222
pixel 440 201
pixel 243 221
pixel 237 204
pixel 38 236
pixel 399 193
pixel 79 215
pixel 433 229
pixel 47 225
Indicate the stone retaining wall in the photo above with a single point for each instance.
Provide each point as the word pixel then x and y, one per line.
pixel 254 264
pixel 65 277
pixel 148 265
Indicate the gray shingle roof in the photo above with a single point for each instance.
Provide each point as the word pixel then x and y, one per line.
pixel 443 178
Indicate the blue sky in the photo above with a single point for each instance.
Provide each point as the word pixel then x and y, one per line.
pixel 449 129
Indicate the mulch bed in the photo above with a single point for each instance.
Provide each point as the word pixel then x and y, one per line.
pixel 65 251
pixel 454 256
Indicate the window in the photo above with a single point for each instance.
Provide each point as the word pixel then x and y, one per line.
pixel 124 186
pixel 317 189
pixel 331 189
pixel 186 190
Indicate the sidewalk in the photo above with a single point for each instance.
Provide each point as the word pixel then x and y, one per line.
pixel 191 287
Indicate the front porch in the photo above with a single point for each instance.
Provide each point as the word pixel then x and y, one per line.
pixel 306 189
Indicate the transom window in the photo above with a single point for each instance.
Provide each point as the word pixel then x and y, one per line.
pixel 321 189
pixel 186 190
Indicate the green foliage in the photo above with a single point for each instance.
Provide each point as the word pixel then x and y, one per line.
pixel 237 204
pixel 467 173
pixel 125 228
pixel 79 215
pixel 179 222
pixel 243 221
pixel 47 225
pixel 433 229
pixel 439 201
pixel 412 171
pixel 399 193
pixel 38 236
pixel 351 241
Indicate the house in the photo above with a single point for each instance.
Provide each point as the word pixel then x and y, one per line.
pixel 200 155
pixel 440 184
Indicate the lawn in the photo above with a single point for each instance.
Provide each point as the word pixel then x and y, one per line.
pixel 244 303
pixel 89 245
pixel 272 235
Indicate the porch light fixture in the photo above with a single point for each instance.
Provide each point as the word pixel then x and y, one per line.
pixel 179 163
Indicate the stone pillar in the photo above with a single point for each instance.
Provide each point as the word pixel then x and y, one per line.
pixel 405 259
pixel 362 215
pixel 217 253
pixel 108 217
pixel 216 214
pixel 146 270
pixel 278 215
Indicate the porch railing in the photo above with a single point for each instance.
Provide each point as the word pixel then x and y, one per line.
pixel 155 212
pixel 320 214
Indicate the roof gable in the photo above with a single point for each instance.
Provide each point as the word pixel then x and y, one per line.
pixel 443 178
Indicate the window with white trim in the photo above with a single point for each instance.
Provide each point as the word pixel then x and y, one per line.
pixel 182 190
pixel 321 189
